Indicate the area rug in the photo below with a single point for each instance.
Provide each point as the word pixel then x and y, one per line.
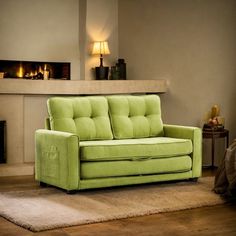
pixel 50 208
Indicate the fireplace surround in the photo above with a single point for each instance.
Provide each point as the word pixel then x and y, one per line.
pixel 36 70
pixel 22 103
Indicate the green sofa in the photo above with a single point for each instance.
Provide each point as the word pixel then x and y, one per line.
pixel 102 141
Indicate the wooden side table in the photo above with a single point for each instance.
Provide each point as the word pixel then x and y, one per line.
pixel 214 134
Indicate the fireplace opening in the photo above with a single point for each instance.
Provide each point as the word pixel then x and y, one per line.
pixel 34 70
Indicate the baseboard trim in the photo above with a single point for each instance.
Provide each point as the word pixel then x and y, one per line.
pixel 16 169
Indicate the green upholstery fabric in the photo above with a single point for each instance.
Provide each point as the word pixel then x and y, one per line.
pixel 195 135
pixel 132 149
pixel 78 150
pixel 57 160
pixel 135 116
pixel 128 180
pixel 85 116
pixel 127 168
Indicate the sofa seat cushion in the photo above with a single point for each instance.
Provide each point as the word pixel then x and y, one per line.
pixel 134 149
pixel 90 170
pixel 135 116
pixel 85 116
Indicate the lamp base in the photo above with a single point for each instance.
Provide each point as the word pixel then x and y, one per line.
pixel 102 72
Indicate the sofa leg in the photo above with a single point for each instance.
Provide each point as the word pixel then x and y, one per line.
pixel 71 191
pixel 194 179
pixel 42 184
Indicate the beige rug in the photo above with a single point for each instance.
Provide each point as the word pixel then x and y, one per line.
pixel 51 208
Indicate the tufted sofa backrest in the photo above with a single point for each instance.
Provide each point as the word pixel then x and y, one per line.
pixel 85 116
pixel 129 116
pixel 135 116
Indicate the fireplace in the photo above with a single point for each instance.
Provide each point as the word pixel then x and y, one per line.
pixel 34 70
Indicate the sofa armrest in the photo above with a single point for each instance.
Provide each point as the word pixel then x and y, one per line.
pixel 57 158
pixel 193 133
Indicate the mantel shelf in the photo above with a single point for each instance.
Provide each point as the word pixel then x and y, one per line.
pixel 85 87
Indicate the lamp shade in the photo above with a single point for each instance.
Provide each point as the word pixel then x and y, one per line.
pixel 100 48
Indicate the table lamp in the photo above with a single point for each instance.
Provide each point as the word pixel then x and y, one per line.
pixel 101 48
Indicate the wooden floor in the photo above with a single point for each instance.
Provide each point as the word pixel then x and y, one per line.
pixel 218 220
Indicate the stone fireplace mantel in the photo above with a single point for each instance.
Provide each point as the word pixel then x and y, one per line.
pixel 85 87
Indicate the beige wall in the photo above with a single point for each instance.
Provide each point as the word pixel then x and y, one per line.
pixel 40 30
pixel 189 43
pixel 101 24
pixel 59 30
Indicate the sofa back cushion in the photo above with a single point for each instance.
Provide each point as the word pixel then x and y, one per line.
pixel 135 116
pixel 85 116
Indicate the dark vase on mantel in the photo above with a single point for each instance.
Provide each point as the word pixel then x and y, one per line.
pixel 115 73
pixel 122 68
pixel 102 72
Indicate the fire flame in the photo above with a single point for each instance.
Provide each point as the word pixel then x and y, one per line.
pixel 40 70
pixel 20 72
